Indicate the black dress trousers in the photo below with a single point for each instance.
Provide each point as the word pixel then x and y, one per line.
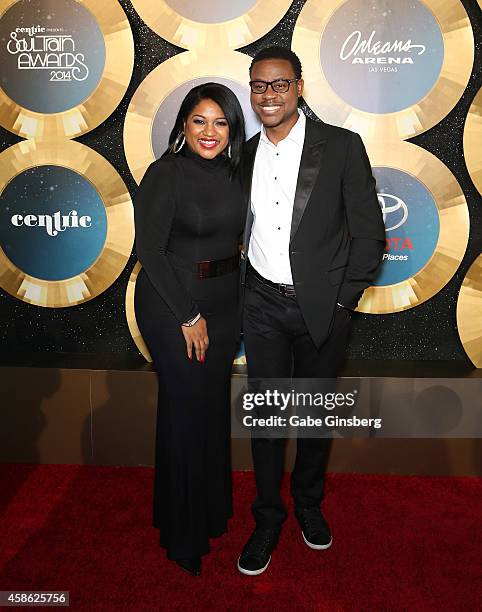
pixel 278 345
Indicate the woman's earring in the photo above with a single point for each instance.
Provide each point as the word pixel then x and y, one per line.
pixel 229 152
pixel 178 145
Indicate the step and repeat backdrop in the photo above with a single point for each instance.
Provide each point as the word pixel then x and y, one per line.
pixel 88 95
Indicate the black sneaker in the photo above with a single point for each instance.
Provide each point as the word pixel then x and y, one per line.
pixel 314 528
pixel 257 551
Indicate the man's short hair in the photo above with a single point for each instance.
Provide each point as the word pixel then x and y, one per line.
pixel 282 53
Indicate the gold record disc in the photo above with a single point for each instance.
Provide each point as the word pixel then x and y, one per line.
pixel 131 314
pixel 216 25
pixel 473 141
pixel 388 70
pixel 240 359
pixel 426 223
pixel 65 65
pixel 67 223
pixel 469 313
pixel 154 106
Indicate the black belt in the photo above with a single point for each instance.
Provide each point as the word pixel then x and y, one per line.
pixel 285 290
pixel 208 268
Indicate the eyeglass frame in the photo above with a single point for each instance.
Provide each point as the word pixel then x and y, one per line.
pixel 270 84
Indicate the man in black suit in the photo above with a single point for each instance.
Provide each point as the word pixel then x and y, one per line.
pixel 314 240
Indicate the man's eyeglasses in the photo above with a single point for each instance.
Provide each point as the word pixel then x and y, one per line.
pixel 278 86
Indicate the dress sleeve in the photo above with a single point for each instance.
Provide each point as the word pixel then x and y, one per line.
pixel 154 211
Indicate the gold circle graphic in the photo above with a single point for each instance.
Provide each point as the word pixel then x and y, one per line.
pixel 453 234
pixel 455 73
pixel 217 37
pixel 469 313
pixel 473 141
pixel 119 64
pixel 131 314
pixel 155 88
pixel 120 224
pixel 241 360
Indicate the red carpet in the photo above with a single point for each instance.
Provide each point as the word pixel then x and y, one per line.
pixel 400 543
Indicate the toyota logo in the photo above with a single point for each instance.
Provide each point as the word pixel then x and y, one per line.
pixel 390 204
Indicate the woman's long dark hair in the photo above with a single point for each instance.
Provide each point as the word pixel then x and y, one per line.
pixel 231 108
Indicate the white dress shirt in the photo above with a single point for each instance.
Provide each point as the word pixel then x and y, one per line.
pixel 273 188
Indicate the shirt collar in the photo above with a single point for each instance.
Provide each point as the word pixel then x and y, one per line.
pixel 296 134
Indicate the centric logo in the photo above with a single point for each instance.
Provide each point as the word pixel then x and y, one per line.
pixel 52 54
pixel 411 222
pixel 382 56
pixel 392 204
pixel 53 223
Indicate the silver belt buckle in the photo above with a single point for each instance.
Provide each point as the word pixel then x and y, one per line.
pixel 287 290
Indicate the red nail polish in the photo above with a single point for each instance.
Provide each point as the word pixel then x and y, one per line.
pixel 202 360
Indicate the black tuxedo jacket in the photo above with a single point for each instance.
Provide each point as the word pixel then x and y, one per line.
pixel 337 230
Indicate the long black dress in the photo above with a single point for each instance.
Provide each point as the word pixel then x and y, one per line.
pixel 188 210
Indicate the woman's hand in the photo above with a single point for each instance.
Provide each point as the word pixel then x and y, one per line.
pixel 197 337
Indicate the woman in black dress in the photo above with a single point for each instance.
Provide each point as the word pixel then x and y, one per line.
pixel 189 217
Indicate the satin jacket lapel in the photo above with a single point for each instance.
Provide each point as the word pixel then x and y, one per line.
pixel 250 156
pixel 310 165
